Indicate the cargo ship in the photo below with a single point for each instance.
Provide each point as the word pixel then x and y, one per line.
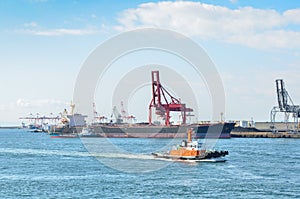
pixel 211 130
pixel 162 104
pixel 205 130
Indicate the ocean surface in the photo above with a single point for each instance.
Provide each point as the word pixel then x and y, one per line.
pixel 33 165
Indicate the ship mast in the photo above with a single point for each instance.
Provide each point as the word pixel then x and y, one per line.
pixel 72 106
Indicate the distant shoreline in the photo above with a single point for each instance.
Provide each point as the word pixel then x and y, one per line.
pixel 10 127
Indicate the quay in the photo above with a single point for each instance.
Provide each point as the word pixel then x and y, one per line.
pixel 264 135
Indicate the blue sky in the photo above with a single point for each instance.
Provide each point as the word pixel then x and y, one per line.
pixel 45 42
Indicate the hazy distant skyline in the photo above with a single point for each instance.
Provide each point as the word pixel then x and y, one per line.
pixel 45 42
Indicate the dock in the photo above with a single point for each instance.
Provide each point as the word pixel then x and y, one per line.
pixel 264 135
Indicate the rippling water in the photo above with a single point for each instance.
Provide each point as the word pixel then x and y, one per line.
pixel 35 166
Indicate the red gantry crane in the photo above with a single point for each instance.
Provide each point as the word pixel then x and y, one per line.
pixel 160 102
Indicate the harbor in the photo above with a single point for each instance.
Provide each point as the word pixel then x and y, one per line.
pixel 157 99
pixel 70 124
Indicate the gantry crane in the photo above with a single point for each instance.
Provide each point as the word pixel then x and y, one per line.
pixel 125 116
pixel 162 105
pixel 286 106
pixel 117 115
pixel 97 117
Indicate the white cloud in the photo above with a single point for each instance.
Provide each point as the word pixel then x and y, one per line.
pixel 22 103
pixel 248 26
pixel 30 24
pixel 93 16
pixel 292 16
pixel 38 1
pixel 39 103
pixel 12 111
pixel 62 31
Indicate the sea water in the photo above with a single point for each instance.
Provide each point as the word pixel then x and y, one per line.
pixel 33 165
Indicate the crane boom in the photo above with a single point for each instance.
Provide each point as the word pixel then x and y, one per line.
pixel 162 105
pixel 285 105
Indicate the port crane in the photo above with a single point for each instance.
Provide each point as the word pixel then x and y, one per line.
pixel 163 102
pixel 117 115
pixel 38 121
pixel 97 117
pixel 286 106
pixel 125 116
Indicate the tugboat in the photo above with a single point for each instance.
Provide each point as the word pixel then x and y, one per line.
pixel 191 150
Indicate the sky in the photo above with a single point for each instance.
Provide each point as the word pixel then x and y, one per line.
pixel 45 42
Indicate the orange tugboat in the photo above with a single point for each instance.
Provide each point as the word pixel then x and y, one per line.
pixel 191 150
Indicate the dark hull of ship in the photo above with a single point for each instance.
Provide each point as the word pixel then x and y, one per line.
pixel 218 130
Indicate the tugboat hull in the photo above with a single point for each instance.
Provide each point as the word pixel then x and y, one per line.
pixel 206 155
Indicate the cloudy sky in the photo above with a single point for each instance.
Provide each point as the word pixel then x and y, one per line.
pixel 45 42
